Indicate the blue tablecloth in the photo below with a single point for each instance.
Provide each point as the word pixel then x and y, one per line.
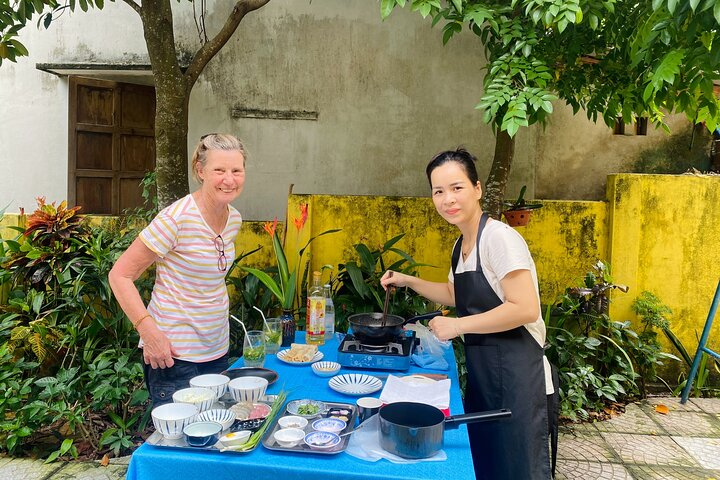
pixel 150 462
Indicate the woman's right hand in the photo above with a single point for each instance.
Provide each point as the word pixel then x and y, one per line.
pixel 396 279
pixel 158 351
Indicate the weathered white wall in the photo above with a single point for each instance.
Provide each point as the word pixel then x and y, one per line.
pixel 388 94
pixel 574 155
pixel 34 104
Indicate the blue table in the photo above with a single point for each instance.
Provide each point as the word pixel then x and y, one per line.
pixel 150 462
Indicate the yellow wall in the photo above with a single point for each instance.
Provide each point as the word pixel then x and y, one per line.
pixel 565 238
pixel 666 239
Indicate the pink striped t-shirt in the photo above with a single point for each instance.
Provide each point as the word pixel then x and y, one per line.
pixel 190 301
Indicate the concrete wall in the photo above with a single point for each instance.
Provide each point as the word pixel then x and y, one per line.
pixel 388 95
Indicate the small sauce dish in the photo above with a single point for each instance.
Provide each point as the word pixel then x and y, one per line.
pixel 202 434
pixel 289 437
pixel 292 421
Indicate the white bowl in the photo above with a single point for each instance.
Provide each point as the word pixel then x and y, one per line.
pixel 235 438
pixel 292 421
pixel 222 416
pixel 247 389
pixel 289 437
pixel 213 381
pixel 201 397
pixel 325 369
pixel 171 418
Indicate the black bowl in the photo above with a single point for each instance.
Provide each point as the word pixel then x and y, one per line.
pixel 269 375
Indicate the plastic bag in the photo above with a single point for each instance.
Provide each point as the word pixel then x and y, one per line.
pixel 430 353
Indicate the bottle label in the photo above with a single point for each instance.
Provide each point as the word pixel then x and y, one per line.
pixel 315 317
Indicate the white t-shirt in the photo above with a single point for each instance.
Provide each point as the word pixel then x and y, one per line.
pixel 503 250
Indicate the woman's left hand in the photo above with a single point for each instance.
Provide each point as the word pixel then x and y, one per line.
pixel 444 328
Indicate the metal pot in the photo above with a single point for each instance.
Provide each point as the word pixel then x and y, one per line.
pixel 416 430
pixel 370 330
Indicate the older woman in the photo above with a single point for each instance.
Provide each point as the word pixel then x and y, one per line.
pixel 184 329
pixel 493 285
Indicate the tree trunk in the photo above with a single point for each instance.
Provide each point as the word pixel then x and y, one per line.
pixel 172 88
pixel 172 93
pixel 499 172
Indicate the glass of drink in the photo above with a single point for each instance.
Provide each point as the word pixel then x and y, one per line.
pixel 273 335
pixel 254 348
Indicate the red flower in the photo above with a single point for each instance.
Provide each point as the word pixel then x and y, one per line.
pixel 270 227
pixel 300 222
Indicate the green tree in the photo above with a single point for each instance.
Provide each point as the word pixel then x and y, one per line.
pixel 173 83
pixel 615 59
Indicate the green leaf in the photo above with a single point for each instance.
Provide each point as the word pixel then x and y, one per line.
pixel 716 11
pixel 694 4
pixel 671 6
pixel 458 5
pixel 266 280
pixel 66 444
pixel 386 8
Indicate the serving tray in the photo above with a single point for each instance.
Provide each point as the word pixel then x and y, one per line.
pixel 158 440
pixel 269 442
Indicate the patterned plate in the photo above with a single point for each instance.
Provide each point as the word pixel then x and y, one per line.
pixel 283 353
pixel 355 384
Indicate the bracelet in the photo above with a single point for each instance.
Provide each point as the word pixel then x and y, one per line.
pixel 137 324
pixel 457 330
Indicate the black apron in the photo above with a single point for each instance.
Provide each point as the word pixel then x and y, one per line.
pixel 505 370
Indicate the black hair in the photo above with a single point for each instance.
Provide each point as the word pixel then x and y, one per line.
pixel 459 155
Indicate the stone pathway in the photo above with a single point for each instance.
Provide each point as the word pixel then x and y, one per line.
pixel 640 444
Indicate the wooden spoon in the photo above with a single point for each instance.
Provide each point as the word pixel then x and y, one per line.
pixel 387 301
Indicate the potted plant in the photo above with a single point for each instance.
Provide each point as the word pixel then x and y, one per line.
pixel 517 213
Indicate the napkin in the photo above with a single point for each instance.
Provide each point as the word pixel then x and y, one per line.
pixel 425 359
pixel 436 393
pixel 365 445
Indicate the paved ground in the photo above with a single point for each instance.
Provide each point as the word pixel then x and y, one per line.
pixel 640 444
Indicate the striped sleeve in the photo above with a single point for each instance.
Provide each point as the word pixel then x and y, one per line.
pixel 161 234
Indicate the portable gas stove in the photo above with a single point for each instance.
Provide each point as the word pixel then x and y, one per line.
pixel 394 355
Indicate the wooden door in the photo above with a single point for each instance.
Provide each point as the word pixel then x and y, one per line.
pixel 111 145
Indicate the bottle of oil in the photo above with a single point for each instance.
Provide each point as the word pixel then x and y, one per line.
pixel 315 317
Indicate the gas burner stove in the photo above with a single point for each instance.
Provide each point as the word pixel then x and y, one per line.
pixel 394 355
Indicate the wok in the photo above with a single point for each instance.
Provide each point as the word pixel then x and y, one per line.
pixel 370 329
pixel 417 430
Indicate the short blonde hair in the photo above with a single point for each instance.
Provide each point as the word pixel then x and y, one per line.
pixel 215 141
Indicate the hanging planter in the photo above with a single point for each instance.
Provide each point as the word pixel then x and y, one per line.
pixel 518 212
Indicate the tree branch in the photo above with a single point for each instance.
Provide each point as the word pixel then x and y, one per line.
pixel 211 48
pixel 133 5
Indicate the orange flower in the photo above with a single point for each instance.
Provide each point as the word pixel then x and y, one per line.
pixel 300 222
pixel 270 227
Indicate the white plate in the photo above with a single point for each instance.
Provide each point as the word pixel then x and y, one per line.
pixel 283 353
pixel 355 384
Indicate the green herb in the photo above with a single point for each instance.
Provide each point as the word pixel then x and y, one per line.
pixel 308 409
pixel 254 353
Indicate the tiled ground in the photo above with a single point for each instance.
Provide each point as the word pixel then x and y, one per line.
pixel 642 444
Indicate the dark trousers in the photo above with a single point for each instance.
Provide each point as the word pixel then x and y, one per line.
pixel 163 382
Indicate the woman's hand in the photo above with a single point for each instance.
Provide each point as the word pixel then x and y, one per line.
pixel 444 328
pixel 395 279
pixel 158 351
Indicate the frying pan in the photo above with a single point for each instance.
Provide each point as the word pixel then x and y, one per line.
pixel 370 329
pixel 417 430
